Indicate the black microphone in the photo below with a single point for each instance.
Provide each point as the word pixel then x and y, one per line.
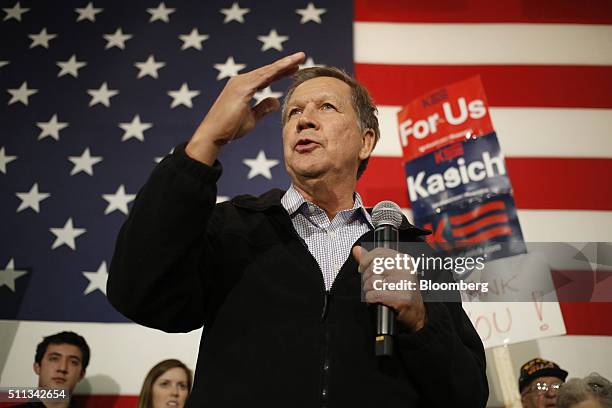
pixel 387 218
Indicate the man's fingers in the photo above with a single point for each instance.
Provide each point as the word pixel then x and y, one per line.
pixel 360 253
pixel 264 107
pixel 374 296
pixel 357 251
pixel 278 69
pixel 367 257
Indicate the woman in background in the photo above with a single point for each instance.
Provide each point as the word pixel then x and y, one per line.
pixel 166 385
pixel 593 391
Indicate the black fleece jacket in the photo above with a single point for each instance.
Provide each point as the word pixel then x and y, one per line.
pixel 272 335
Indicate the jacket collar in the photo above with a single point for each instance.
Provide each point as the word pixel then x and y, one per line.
pixel 272 200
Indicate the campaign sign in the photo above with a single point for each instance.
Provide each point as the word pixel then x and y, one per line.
pixel 463 171
pixel 476 228
pixel 447 115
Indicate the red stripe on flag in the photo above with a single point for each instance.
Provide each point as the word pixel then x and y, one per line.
pixel 586 319
pixel 107 401
pixel 538 183
pixel 485 11
pixel 477 212
pixel 384 179
pixel 561 183
pixel 505 85
pixel 482 223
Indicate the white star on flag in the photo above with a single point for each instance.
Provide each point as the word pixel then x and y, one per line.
pixel 260 165
pixel 118 201
pixel 228 69
pixel 149 67
pixel 266 93
pixel 311 13
pixel 117 39
pixel 88 12
pixel 31 199
pixel 309 63
pixel 15 12
pixel 160 13
pixel 272 40
pixel 134 129
pixel 97 280
pixel 71 67
pixel 21 94
pixel 9 274
pixel 51 128
pixel 4 160
pixel 101 95
pixel 193 39
pixel 183 96
pixel 84 162
pixel 41 39
pixel 66 235
pixel 235 13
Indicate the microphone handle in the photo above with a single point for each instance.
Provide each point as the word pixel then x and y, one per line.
pixel 385 236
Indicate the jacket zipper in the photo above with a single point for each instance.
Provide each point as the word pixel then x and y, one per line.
pixel 326 300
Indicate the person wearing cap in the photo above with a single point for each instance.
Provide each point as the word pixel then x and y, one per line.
pixel 539 382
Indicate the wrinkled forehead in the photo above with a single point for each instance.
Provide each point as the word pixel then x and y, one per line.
pixel 321 88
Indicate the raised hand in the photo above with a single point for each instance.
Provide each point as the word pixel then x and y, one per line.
pixel 232 115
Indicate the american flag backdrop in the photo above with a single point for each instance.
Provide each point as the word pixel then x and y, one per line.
pixel 93 93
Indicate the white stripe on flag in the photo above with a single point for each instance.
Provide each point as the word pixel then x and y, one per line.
pixel 402 43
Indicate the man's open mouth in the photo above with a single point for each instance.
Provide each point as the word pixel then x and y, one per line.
pixel 305 145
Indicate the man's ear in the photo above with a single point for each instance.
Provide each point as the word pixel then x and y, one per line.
pixel 368 142
pixel 82 375
pixel 36 368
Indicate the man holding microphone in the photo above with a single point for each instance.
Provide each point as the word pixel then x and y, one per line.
pixel 275 279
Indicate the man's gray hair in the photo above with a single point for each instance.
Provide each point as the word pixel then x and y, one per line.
pixel 593 386
pixel 362 101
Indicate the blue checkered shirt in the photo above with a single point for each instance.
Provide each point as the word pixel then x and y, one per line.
pixel 329 242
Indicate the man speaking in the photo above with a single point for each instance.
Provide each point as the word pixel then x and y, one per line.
pixel 274 279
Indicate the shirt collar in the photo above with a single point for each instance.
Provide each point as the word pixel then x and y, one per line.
pixel 292 201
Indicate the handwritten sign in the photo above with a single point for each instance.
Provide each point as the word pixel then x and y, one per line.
pixel 499 323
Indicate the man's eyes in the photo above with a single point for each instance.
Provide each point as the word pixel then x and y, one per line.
pixel 324 106
pixel 294 111
pixel 73 361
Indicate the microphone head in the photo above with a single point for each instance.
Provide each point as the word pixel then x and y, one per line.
pixel 387 213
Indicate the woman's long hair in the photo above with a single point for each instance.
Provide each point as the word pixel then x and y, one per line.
pixel 146 393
